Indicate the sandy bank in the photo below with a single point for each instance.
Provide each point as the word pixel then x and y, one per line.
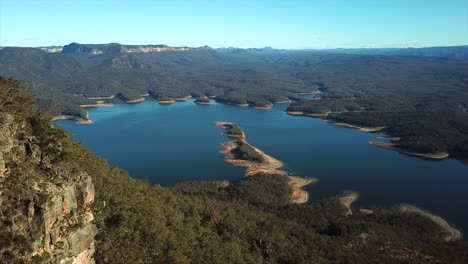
pixel 145 95
pixel 300 196
pixel 77 120
pixel 263 107
pixel 243 105
pixel 134 101
pixel 268 165
pixel 83 121
pixel 441 155
pixel 224 125
pixel 283 102
pixel 300 113
pixel 364 129
pixel 295 112
pixel 63 117
pixel 346 201
pixel 166 101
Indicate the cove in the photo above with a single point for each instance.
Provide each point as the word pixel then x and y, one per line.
pixel 167 144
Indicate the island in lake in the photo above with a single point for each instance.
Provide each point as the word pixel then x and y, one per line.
pixel 241 153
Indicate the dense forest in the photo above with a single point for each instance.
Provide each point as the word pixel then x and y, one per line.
pixel 420 99
pixel 448 52
pixel 78 73
pixel 250 221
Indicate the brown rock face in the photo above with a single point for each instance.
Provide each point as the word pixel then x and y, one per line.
pixel 45 211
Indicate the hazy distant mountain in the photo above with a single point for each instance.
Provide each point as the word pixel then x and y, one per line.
pixel 449 52
pixel 453 52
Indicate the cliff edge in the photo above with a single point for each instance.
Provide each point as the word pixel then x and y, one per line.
pixel 45 199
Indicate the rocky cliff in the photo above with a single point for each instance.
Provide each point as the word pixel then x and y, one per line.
pixel 45 214
pixel 96 49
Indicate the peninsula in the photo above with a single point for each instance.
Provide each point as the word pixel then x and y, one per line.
pixel 241 153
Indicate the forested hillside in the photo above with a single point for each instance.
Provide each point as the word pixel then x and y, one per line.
pixel 421 100
pixel 79 72
pixel 251 221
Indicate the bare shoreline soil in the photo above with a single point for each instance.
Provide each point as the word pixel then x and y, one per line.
pixel 268 165
pixel 441 155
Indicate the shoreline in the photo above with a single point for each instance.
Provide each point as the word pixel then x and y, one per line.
pixel 346 200
pixel 100 103
pixel 295 113
pixel 166 101
pixel 390 146
pixel 263 107
pixel 283 102
pixel 268 165
pixel 363 129
pixel 451 233
pixel 78 120
pixel 134 101
pixel 223 126
pixel 436 156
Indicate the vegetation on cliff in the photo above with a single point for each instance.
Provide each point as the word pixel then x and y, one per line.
pixel 45 196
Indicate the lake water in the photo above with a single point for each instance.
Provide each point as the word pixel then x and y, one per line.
pixel 167 144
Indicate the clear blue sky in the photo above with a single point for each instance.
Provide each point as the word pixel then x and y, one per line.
pixel 238 23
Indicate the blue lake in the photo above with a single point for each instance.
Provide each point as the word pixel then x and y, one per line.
pixel 167 144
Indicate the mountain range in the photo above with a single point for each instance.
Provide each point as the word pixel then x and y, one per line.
pixel 367 87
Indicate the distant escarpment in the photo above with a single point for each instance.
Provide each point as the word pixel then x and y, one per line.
pixel 96 49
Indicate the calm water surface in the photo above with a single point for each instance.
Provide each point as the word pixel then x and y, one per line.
pixel 167 144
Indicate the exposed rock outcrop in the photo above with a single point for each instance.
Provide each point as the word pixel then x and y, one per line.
pixel 96 49
pixel 45 212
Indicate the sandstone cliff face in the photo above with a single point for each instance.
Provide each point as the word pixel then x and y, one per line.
pixel 76 48
pixel 45 214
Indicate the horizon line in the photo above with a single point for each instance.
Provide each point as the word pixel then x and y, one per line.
pixel 264 47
